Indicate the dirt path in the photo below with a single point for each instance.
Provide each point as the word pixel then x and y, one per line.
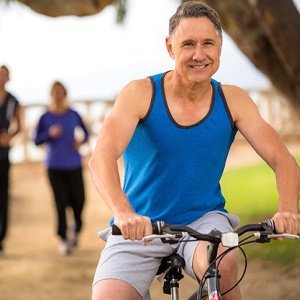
pixel 33 269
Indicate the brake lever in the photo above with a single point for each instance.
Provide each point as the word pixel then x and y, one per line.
pixel 164 236
pixel 151 237
pixel 284 235
pixel 277 235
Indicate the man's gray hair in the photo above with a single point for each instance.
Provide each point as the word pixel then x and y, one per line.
pixel 194 9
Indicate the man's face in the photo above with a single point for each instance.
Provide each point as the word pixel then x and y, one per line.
pixel 3 76
pixel 196 48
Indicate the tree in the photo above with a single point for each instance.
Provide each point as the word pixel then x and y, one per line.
pixel 268 33
pixel 57 8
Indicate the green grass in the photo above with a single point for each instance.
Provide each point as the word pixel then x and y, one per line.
pixel 252 195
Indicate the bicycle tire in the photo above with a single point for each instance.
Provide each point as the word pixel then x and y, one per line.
pixel 204 295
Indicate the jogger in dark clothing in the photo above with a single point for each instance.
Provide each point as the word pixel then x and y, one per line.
pixel 4 185
pixel 10 125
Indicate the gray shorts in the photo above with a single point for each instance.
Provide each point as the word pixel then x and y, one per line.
pixel 137 264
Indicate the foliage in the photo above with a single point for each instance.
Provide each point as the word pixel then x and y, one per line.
pixel 252 195
pixel 250 192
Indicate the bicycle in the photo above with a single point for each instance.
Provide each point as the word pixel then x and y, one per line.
pixel 209 287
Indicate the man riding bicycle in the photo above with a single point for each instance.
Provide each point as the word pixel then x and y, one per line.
pixel 174 131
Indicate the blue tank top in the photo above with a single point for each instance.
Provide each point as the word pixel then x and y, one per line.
pixel 172 172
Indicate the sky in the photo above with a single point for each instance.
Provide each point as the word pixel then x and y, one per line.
pixel 95 57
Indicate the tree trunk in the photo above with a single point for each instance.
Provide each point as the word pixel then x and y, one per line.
pixel 268 32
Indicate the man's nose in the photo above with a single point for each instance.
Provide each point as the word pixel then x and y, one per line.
pixel 199 53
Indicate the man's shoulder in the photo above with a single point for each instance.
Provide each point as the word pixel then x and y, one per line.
pixel 231 87
pixel 158 76
pixel 138 85
pixel 233 91
pixel 146 82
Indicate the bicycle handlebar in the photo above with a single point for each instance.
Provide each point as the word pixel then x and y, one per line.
pixel 265 231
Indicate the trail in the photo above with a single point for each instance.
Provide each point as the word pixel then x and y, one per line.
pixel 32 267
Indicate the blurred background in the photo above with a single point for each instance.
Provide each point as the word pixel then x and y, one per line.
pixel 81 43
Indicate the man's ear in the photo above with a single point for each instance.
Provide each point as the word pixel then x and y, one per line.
pixel 170 47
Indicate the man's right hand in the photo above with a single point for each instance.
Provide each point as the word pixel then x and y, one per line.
pixel 133 226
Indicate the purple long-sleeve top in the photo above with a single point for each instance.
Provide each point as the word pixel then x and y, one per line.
pixel 61 153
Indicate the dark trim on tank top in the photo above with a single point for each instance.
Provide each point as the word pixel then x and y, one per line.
pixel 151 102
pixel 226 106
pixel 171 117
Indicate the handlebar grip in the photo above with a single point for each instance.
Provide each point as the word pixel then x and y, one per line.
pixel 156 228
pixel 266 225
pixel 116 230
